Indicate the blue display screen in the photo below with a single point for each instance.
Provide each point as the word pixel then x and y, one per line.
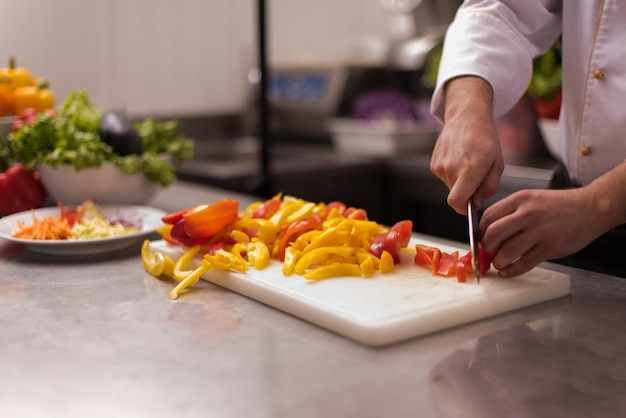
pixel 297 87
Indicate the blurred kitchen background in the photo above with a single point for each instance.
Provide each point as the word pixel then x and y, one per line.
pixel 197 61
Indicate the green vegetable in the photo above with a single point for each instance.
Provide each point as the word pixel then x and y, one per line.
pixel 72 137
pixel 547 74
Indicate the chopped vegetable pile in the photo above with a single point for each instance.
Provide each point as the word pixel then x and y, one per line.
pixel 81 223
pixel 315 240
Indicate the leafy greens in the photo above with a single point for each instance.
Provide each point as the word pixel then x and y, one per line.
pixel 72 137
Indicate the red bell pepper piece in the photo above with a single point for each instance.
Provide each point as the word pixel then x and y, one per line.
pixel 20 190
pixel 447 263
pixel 267 209
pixel 485 258
pixel 179 235
pixel 464 266
pixel 294 230
pixel 174 217
pixel 207 220
pixel 426 256
pixel 392 241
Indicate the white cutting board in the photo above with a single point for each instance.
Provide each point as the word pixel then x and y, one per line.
pixel 393 307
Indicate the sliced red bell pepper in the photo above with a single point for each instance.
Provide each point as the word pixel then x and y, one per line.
pixel 179 235
pixel 174 217
pixel 340 206
pixel 392 241
pixel 485 258
pixel 20 190
pixel 294 230
pixel 427 256
pixel 207 220
pixel 464 266
pixel 447 264
pixel 267 209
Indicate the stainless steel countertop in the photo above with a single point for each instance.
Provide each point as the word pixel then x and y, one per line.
pixel 99 337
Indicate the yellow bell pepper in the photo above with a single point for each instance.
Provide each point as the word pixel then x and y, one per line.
pixel 258 254
pixel 47 98
pixel 180 272
pixel 190 279
pixel 24 98
pixel 386 263
pixel 331 237
pixel 265 229
pixel 319 256
pixel 291 257
pixel 368 267
pixel 156 264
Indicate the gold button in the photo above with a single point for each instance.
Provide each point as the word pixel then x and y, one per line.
pixel 598 74
pixel 585 150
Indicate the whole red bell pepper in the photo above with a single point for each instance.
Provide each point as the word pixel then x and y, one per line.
pixel 20 190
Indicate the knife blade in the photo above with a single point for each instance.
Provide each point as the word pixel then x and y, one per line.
pixel 472 220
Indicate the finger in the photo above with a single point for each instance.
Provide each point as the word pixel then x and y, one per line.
pixel 463 190
pixel 514 248
pixel 489 185
pixel 496 219
pixel 523 264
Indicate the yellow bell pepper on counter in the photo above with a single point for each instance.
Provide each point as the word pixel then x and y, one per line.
pixel 21 90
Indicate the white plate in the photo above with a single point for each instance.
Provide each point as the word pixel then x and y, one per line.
pixel 151 219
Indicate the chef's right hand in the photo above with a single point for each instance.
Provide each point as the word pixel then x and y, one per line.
pixel 467 156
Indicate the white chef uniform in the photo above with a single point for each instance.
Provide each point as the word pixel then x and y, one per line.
pixel 497 40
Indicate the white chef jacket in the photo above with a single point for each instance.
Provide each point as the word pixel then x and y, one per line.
pixel 497 40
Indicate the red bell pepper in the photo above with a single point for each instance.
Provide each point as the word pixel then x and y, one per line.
pixel 267 209
pixel 485 258
pixel 427 256
pixel 20 190
pixel 447 264
pixel 392 241
pixel 294 230
pixel 206 221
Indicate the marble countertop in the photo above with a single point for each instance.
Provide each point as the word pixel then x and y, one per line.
pixel 98 337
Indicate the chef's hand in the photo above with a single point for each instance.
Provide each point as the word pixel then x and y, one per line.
pixel 467 156
pixel 532 226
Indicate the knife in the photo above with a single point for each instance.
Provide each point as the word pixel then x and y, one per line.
pixel 472 220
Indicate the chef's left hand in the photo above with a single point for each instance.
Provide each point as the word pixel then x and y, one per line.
pixel 532 226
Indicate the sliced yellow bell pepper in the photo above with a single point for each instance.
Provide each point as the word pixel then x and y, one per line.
pixel 331 237
pixel 386 263
pixel 258 254
pixel 291 257
pixel 156 264
pixel 265 229
pixel 180 268
pixel 319 256
pixel 367 267
pixel 190 279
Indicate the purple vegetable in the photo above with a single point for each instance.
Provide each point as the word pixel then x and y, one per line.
pixel 126 217
pixel 387 105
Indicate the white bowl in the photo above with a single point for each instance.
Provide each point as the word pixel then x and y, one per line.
pixel 105 184
pixel 549 129
pixel 365 138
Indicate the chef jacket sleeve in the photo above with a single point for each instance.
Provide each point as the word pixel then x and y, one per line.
pixel 497 40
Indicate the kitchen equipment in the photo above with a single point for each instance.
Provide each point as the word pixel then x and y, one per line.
pixel 472 220
pixel 385 309
pixel 364 138
pixel 301 98
pixel 415 28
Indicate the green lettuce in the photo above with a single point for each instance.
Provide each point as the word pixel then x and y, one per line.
pixel 72 137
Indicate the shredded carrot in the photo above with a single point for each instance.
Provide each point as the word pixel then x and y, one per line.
pixel 48 227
